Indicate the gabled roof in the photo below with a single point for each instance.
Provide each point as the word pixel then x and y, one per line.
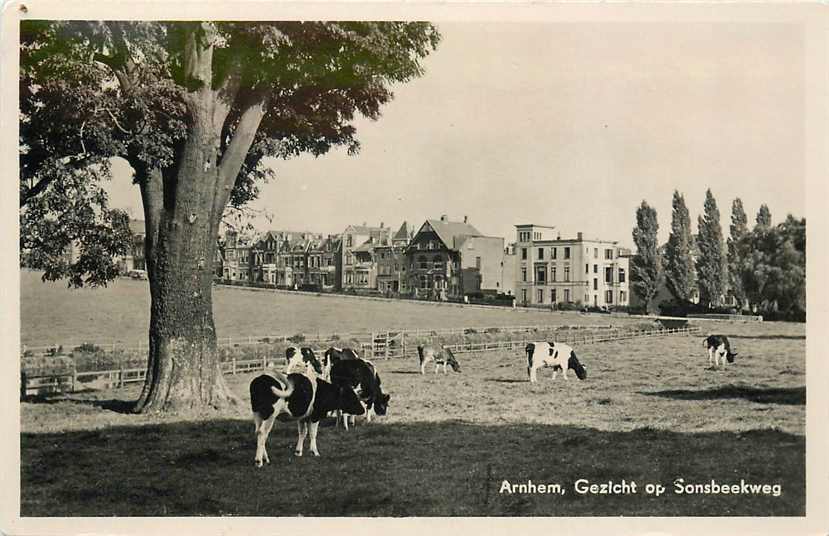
pixel 451 232
pixel 402 233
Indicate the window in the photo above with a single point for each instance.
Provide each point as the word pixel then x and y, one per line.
pixel 552 273
pixel 608 274
pixel 524 236
pixel 567 253
pixel 552 295
pixel 437 262
pixel 567 295
pixel 349 278
pixel 595 283
pixel 608 254
pixel 537 236
pixel 424 282
pixel 553 253
pixel 622 296
pixel 566 273
pixel 541 254
pixel 523 254
pixel 478 263
pixel 587 268
pixel 523 274
pixel 349 241
pixel 524 295
pixel 348 259
pixel 422 262
pixel 595 268
pixel 621 275
pixel 540 296
pixel 595 253
pixel 608 298
pixel 540 274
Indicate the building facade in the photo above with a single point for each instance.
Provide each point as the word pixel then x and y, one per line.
pixel 391 263
pixel 356 264
pixel 551 270
pixel 447 260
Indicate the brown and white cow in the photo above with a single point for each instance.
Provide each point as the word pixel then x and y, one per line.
pixel 444 357
pixel 557 355
pixel 305 399
pixel 719 349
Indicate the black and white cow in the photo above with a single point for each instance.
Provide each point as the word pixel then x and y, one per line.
pixel 444 357
pixel 302 359
pixel 303 398
pixel 361 376
pixel 718 350
pixel 557 355
pixel 334 354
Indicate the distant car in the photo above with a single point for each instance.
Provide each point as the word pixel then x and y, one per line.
pixel 138 274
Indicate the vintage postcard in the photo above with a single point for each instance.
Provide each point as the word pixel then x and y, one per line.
pixel 354 266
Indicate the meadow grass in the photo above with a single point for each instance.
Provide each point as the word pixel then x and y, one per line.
pixel 650 411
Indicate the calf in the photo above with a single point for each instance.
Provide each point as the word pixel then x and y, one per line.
pixel 718 349
pixel 444 357
pixel 305 399
pixel 297 357
pixel 557 355
pixel 361 376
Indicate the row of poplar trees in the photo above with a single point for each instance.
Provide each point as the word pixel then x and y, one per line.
pixel 761 268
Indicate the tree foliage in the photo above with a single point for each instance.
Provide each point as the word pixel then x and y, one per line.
pixel 646 264
pixel 736 251
pixel 773 272
pixel 764 216
pixel 679 267
pixel 711 261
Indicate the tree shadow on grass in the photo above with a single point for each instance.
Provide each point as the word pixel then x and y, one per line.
pixel 772 395
pixel 390 469
pixel 506 380
pixel 115 405
pixel 769 337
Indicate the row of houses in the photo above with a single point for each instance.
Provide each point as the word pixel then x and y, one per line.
pixel 442 260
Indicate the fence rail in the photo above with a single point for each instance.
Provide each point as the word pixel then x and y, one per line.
pixel 382 346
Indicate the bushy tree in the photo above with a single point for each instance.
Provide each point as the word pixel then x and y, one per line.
pixel 774 270
pixel 736 252
pixel 764 216
pixel 646 264
pixel 195 108
pixel 711 262
pixel 679 267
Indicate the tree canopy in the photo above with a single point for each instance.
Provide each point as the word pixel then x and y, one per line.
pixel 646 266
pixel 679 266
pixel 711 262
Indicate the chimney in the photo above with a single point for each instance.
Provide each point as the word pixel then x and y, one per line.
pixel 578 236
pixel 466 219
pixel 444 218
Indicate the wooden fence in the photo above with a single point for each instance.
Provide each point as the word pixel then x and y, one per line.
pixel 387 345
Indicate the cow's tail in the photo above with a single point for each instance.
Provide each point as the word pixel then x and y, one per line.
pixel 420 353
pixel 289 386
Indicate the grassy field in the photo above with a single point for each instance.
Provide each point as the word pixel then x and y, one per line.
pixel 51 314
pixel 650 411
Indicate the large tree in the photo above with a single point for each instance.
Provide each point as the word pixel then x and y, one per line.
pixel 736 251
pixel 764 216
pixel 679 266
pixel 711 261
pixel 195 108
pixel 647 264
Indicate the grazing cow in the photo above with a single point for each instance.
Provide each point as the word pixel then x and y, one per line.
pixel 444 357
pixel 334 354
pixel 557 355
pixel 296 357
pixel 718 349
pixel 305 399
pixel 361 376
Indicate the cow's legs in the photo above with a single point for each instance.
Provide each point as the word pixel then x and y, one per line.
pixel 301 430
pixel 262 432
pixel 532 372
pixel 564 372
pixel 554 373
pixel 710 356
pixel 423 367
pixel 313 427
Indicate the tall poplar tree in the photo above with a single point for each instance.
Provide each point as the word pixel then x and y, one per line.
pixel 679 266
pixel 647 264
pixel 736 250
pixel 711 262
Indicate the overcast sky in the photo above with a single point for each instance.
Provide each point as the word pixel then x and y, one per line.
pixel 570 125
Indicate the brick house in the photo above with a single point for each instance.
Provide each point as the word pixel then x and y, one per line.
pixel 391 262
pixel 356 255
pixel 447 260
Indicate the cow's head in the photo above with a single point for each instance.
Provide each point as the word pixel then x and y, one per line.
pixel 574 364
pixel 450 359
pixel 381 403
pixel 293 358
pixel 349 402
pixel 311 359
pixel 730 356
